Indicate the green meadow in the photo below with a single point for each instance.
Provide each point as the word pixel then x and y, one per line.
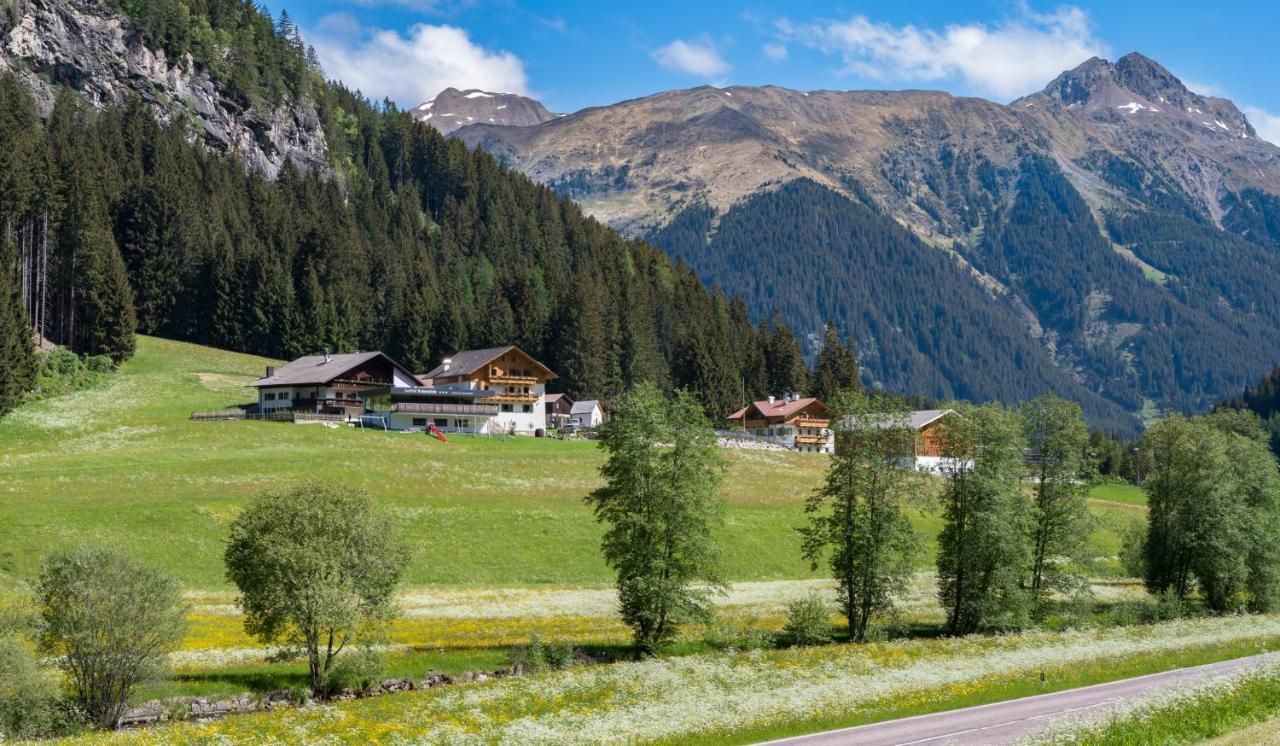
pixel 123 465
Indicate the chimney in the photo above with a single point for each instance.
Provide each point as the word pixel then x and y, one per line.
pixel 446 362
pixel 271 371
pixel 771 398
pixel 327 356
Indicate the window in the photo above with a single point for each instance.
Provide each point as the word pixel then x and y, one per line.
pixel 283 396
pixel 441 422
pixel 270 397
pixel 526 407
pixel 419 421
pixel 506 408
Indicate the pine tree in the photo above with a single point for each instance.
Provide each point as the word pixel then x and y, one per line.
pixel 785 360
pixel 837 367
pixel 17 355
pixel 103 310
pixel 582 356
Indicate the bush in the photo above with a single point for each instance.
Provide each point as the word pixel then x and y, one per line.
pixel 111 622
pixel 359 671
pixel 31 704
pixel 1133 541
pixel 808 621
pixel 541 656
pixel 63 372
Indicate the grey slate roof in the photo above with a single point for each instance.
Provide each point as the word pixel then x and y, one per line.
pixel 469 361
pixel 918 419
pixel 586 406
pixel 312 370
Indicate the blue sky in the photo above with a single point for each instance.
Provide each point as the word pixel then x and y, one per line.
pixel 572 55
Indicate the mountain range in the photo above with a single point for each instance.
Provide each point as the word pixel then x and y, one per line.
pixel 1113 237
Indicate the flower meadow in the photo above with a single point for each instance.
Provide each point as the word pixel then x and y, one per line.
pixel 685 697
pixel 1185 712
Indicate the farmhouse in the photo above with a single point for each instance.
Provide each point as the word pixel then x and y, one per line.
pixel 559 406
pixel 927 423
pixel 587 413
pixel 329 384
pixel 505 377
pixel 802 423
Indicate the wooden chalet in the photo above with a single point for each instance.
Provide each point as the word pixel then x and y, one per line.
pixel 802 423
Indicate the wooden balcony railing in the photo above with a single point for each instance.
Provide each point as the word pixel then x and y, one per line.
pixel 814 423
pixel 811 440
pixel 483 410
pixel 509 380
pixel 510 397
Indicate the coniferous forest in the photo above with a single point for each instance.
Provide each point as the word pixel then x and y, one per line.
pixel 411 244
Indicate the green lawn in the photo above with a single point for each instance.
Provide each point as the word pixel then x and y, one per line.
pixel 123 465
pixel 1119 492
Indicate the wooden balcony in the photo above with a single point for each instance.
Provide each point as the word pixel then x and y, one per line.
pixel 510 397
pixel 810 423
pixel 811 440
pixel 481 410
pixel 509 380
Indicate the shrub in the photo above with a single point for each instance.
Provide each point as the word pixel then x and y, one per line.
pixel 540 656
pixel 358 671
pixel 112 623
pixel 63 372
pixel 1132 549
pixel 808 621
pixel 31 704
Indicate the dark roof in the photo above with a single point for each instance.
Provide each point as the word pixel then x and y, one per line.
pixel 586 406
pixel 314 370
pixel 553 398
pixel 469 361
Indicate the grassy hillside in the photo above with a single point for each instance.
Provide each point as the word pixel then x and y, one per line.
pixel 123 465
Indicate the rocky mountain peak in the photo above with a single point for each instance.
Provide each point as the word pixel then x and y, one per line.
pixel 453 109
pixel 1098 80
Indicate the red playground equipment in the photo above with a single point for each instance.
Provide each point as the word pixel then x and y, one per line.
pixel 433 430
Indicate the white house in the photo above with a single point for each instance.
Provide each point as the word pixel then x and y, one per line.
pixel 505 377
pixel 588 413
pixel 329 384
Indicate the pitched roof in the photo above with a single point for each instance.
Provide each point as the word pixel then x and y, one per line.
pixel 586 406
pixel 469 361
pixel 553 398
pixel 917 420
pixel 314 370
pixel 783 408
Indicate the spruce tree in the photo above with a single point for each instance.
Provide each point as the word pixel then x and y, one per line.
pixel 17 354
pixel 837 366
pixel 784 359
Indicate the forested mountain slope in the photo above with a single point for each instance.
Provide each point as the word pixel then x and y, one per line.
pixel 404 242
pixel 1117 230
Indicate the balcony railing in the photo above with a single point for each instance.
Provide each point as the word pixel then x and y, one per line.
pixel 513 380
pixel 813 423
pixel 811 440
pixel 483 410
pixel 507 397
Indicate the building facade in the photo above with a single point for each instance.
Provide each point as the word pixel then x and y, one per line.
pixel 800 423
pixel 328 384
pixel 506 377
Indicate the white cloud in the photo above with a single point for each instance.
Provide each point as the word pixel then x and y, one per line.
pixel 775 52
pixel 1266 123
pixel 1007 59
pixel 694 57
pixel 412 67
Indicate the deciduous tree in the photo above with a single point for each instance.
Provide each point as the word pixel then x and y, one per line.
pixel 660 507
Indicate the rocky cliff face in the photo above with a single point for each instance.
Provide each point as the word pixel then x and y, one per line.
pixel 84 45
pixel 453 109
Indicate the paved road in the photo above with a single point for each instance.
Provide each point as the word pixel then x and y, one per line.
pixel 1007 722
